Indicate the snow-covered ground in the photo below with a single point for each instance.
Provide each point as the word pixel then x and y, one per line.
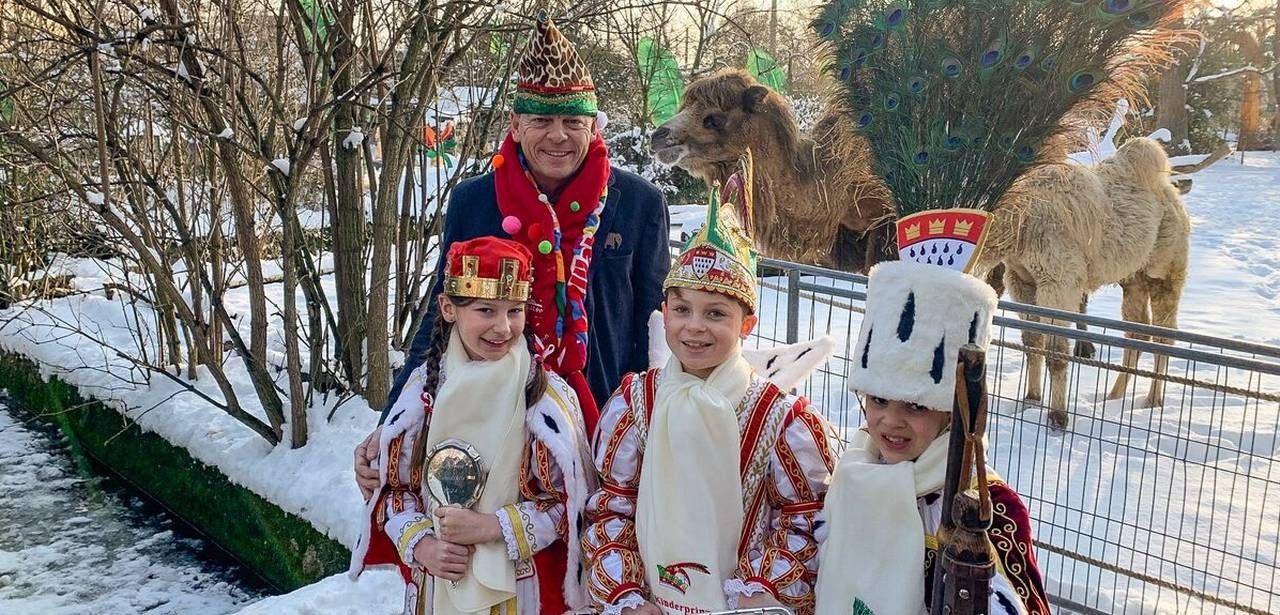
pixel 1200 469
pixel 67 545
pixel 1169 492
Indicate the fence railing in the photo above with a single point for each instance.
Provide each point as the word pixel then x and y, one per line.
pixel 1173 509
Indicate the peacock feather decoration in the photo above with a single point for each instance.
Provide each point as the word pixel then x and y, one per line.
pixel 959 98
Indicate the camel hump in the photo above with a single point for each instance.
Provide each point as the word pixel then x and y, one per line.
pixel 1142 159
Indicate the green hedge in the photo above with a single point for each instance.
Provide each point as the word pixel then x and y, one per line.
pixel 283 549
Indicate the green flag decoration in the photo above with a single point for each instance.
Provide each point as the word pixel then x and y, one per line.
pixel 497 47
pixel 666 86
pixel 762 66
pixel 319 20
pixel 6 108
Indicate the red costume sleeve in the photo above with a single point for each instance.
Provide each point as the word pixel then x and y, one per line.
pixel 1011 535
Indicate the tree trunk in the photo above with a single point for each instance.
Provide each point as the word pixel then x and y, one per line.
pixel 349 222
pixel 192 253
pixel 166 289
pixel 1171 106
pixel 1251 91
pixel 217 270
pixel 242 211
pixel 1250 112
pixel 1171 99
pixel 425 60
pixel 293 362
pixel 1275 79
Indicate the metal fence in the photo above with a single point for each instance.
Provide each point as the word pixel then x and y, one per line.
pixel 1174 509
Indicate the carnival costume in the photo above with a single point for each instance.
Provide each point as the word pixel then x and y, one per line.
pixel 710 488
pixel 536 457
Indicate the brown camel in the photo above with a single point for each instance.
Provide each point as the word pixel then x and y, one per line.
pixel 1063 232
pixel 816 196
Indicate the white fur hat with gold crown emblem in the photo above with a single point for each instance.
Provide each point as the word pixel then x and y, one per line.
pixel 922 309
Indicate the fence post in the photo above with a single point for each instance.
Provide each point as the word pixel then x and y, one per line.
pixel 793 306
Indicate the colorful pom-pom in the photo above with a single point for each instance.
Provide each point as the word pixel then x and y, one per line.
pixel 575 207
pixel 544 247
pixel 498 161
pixel 535 230
pixel 543 198
pixel 511 225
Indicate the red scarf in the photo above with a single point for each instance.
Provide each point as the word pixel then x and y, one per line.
pixel 558 303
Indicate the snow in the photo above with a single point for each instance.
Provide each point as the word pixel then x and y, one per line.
pixel 226 133
pixel 182 72
pixel 147 15
pixel 95 197
pixel 1179 161
pixel 354 138
pixel 687 217
pixel 282 165
pixel 1102 147
pixel 460 101
pixel 299 123
pixel 1168 470
pixel 69 546
pixel 376 592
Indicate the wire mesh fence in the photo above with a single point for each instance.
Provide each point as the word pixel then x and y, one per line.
pixel 1173 508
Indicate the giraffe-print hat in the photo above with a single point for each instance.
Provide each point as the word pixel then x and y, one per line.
pixel 553 80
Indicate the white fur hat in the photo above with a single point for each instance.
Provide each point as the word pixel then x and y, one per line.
pixel 918 316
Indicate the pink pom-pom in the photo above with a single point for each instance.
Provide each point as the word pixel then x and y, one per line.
pixel 511 225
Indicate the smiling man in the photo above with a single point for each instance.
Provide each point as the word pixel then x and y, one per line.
pixel 553 190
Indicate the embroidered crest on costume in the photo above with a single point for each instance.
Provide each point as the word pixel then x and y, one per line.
pixel 676 577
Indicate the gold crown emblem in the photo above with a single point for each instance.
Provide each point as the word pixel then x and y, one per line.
pixel 913 232
pixel 963 227
pixel 936 226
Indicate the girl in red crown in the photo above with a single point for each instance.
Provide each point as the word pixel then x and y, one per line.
pixel 516 552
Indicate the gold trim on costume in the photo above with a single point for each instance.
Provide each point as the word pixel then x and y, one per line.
pixel 411 529
pixel 518 529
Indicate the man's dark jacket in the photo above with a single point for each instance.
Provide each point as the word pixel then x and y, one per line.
pixel 624 284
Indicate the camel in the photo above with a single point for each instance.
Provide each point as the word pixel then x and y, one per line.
pixel 1064 231
pixel 817 200
pixel 1068 230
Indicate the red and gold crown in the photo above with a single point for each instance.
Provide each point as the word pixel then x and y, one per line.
pixel 488 268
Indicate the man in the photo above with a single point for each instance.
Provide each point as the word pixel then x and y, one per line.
pixel 598 234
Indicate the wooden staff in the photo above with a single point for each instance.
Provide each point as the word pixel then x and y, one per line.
pixel 964 565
